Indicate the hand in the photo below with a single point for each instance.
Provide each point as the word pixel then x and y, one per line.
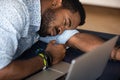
pixel 116 53
pixel 57 51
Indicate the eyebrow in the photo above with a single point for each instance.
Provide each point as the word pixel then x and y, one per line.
pixel 69 22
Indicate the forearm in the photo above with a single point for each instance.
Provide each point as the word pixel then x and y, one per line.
pixel 21 68
pixel 85 42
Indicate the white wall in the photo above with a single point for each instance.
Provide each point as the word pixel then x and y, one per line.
pixel 108 3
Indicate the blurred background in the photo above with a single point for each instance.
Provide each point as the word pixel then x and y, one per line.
pixel 102 16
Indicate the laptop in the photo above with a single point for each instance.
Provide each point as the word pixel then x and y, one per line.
pixel 88 66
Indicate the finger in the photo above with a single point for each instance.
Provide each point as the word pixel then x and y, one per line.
pixel 64 45
pixel 52 42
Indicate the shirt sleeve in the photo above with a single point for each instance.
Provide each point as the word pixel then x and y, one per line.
pixel 8 46
pixel 12 23
pixel 62 38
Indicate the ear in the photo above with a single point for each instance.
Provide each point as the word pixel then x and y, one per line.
pixel 56 3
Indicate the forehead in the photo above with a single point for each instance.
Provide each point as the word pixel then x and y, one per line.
pixel 66 12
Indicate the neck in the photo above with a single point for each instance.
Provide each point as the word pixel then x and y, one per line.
pixel 45 4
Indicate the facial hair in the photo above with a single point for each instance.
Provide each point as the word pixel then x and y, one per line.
pixel 47 17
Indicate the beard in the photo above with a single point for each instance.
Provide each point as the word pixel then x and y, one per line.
pixel 47 17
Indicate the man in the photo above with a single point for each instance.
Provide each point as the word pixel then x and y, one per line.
pixel 59 23
pixel 20 20
pixel 17 36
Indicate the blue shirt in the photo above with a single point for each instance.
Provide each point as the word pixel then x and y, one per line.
pixel 19 21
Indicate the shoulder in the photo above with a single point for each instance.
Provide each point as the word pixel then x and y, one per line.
pixel 14 15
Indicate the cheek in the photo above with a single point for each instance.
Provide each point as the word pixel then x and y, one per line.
pixel 49 29
pixel 59 19
pixel 76 22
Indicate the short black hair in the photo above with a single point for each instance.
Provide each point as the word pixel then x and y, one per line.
pixel 74 6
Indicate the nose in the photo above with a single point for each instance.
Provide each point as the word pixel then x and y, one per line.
pixel 60 30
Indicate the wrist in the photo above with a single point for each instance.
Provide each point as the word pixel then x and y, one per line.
pixel 47 59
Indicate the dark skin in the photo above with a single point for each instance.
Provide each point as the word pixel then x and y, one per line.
pixel 19 69
pixel 87 41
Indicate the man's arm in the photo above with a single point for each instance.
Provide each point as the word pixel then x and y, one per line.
pixel 87 42
pixel 19 69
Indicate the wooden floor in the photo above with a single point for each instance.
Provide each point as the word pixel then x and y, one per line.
pixel 102 19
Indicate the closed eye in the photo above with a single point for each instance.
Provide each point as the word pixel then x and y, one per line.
pixel 65 22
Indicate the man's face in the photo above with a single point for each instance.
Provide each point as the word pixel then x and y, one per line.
pixel 56 21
